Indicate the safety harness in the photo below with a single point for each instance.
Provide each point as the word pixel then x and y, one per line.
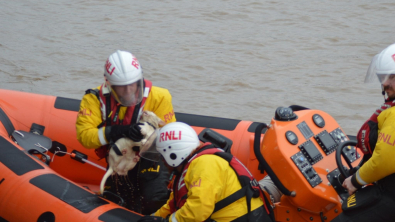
pixel 110 113
pixel 367 135
pixel 250 187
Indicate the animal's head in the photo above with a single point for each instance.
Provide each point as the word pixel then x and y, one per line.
pixel 151 117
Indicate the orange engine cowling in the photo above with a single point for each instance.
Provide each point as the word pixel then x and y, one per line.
pixel 300 158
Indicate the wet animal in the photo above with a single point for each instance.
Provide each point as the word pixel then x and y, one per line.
pixel 127 158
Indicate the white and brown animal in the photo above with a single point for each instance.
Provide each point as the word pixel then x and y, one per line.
pixel 121 157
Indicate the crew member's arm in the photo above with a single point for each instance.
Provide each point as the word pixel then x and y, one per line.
pixel 381 163
pixel 159 102
pixel 164 211
pixel 89 117
pixel 204 182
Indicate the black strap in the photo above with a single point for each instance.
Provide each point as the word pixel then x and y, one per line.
pixel 93 91
pixel 151 125
pixel 107 121
pixel 108 110
pixel 6 122
pixel 230 199
pixel 116 115
pixel 135 113
pixel 246 191
pixel 116 149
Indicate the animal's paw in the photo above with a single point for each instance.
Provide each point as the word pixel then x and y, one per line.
pixel 136 159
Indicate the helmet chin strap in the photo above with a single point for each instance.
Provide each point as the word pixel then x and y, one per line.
pixel 180 168
pixel 383 93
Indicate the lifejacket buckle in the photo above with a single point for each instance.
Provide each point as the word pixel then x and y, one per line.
pixel 256 189
pixel 254 183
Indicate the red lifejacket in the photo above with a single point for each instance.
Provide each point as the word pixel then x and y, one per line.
pixel 109 105
pixel 250 187
pixel 367 135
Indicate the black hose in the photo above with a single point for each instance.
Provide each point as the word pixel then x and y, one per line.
pixel 262 161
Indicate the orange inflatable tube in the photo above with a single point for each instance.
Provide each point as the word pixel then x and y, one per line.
pixel 60 182
pixel 32 195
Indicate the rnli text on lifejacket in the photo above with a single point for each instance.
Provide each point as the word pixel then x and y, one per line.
pixel 386 138
pixel 169 116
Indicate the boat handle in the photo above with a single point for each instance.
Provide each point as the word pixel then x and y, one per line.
pixel 261 160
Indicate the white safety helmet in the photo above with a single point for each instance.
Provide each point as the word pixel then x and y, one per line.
pixel 121 69
pixel 382 65
pixel 175 142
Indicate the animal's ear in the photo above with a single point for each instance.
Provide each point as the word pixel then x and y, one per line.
pixel 161 123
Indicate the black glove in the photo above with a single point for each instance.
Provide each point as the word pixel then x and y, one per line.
pixel 135 132
pixel 116 132
pixel 152 219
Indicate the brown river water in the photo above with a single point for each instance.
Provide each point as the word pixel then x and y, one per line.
pixel 238 59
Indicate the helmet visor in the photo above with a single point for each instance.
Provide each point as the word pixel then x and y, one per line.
pixel 128 95
pixel 382 76
pixel 148 150
pixel 371 73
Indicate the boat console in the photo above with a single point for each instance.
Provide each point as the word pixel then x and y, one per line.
pixel 298 151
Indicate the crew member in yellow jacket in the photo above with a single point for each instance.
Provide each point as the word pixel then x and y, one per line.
pixel 376 202
pixel 206 186
pixel 111 111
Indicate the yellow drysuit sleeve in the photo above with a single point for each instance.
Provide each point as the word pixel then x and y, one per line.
pixel 209 179
pixel 382 163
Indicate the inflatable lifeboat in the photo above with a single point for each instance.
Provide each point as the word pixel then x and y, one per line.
pixel 47 175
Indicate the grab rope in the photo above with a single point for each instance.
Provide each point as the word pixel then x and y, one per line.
pixel 39 145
